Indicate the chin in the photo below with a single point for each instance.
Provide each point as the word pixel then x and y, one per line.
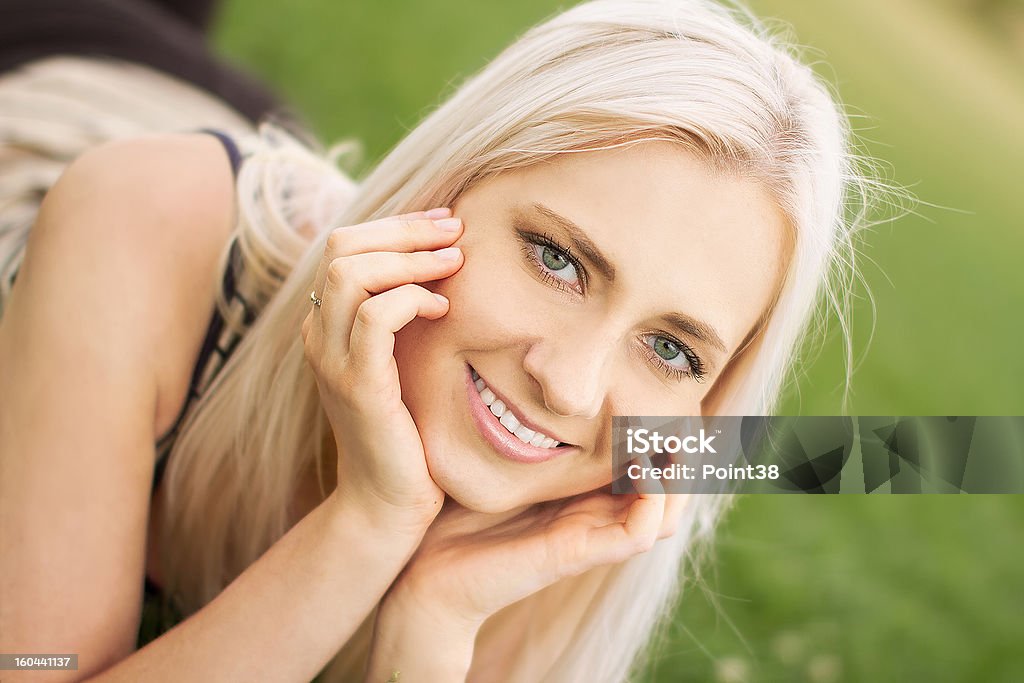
pixel 487 505
pixel 472 489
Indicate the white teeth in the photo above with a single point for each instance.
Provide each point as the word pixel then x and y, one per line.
pixel 508 420
pixel 524 433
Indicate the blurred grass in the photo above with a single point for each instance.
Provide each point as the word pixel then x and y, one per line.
pixel 828 589
pixel 819 590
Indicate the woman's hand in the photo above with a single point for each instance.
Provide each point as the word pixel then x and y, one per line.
pixel 367 282
pixel 468 567
pixel 475 567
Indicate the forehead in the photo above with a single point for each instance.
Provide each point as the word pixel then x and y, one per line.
pixel 683 237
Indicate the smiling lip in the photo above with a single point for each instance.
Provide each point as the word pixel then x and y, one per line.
pixel 500 439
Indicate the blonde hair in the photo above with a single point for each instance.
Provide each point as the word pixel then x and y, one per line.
pixel 602 74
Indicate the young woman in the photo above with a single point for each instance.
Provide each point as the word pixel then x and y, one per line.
pixel 391 459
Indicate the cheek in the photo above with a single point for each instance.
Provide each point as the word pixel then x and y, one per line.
pixel 640 394
pixel 481 317
pixel 492 305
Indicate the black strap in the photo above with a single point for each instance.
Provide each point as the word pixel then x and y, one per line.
pixel 234 155
pixel 216 326
pixel 213 335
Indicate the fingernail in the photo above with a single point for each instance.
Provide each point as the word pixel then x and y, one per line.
pixel 449 224
pixel 448 253
pixel 440 298
pixel 442 212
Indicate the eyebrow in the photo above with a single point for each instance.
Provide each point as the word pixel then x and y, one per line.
pixel 580 241
pixel 696 328
pixel 583 244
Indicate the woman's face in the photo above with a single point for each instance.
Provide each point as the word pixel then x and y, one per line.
pixel 597 284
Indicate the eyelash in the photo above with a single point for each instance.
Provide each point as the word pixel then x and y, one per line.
pixel 696 369
pixel 530 239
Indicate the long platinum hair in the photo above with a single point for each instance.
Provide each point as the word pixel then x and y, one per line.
pixel 604 73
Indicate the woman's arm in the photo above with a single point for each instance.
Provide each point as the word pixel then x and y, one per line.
pixel 289 613
pixel 83 339
pixel 101 322
pixel 416 640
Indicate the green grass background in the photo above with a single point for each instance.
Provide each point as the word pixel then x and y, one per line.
pixel 887 588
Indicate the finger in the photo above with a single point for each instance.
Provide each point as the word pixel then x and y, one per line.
pixel 307 324
pixel 352 280
pixel 624 536
pixel 653 516
pixel 372 345
pixel 675 504
pixel 596 502
pixel 612 538
pixel 643 521
pixel 643 518
pixel 408 233
pixel 405 233
pixel 596 506
pixel 636 534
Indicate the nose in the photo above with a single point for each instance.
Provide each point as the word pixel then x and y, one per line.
pixel 572 371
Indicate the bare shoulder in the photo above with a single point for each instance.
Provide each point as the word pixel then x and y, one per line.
pixel 108 308
pixel 167 203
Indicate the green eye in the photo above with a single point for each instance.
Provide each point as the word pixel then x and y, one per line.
pixel 554 259
pixel 673 356
pixel 666 349
pixel 555 263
